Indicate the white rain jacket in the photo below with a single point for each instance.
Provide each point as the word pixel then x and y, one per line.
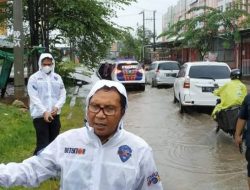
pixel 124 162
pixel 45 90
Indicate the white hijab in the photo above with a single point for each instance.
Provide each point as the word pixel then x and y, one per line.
pixel 43 56
pixel 98 85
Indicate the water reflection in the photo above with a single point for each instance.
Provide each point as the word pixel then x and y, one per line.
pixel 188 152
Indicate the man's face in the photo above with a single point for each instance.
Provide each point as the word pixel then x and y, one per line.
pixel 104 125
pixel 47 62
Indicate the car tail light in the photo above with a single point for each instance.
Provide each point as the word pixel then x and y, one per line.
pixel 157 72
pixel 186 83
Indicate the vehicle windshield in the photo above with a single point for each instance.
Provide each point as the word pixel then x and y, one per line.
pixel 209 72
pixel 128 66
pixel 169 66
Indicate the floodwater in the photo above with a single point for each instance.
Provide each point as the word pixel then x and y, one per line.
pixel 189 154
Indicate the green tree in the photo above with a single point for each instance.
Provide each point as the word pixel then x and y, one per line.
pixel 85 23
pixel 200 31
pixel 88 25
pixel 132 45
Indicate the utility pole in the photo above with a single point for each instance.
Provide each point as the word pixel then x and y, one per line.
pixel 143 24
pixel 143 37
pixel 154 30
pixel 18 49
pixel 154 33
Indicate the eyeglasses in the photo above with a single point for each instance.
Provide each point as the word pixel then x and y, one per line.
pixel 107 110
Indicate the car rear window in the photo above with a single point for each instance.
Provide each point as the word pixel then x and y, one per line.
pixel 128 66
pixel 169 66
pixel 209 71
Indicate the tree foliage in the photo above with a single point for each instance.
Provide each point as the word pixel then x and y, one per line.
pixel 86 24
pixel 199 32
pixel 132 45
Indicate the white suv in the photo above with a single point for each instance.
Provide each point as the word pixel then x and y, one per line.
pixel 162 73
pixel 196 82
pixel 130 73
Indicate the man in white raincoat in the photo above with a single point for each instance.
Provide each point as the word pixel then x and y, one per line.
pixel 47 96
pixel 100 156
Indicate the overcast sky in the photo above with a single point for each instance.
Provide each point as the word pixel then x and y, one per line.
pixel 130 15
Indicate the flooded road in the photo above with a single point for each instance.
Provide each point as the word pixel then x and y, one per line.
pixel 188 152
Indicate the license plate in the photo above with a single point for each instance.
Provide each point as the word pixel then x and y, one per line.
pixel 207 89
pixel 174 74
pixel 171 75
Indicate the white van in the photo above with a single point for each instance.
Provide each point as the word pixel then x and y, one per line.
pixel 162 73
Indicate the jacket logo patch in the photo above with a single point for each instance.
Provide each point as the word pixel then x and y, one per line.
pixel 124 152
pixel 79 151
pixel 153 179
pixel 55 78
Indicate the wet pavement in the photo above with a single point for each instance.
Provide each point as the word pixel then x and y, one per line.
pixel 188 152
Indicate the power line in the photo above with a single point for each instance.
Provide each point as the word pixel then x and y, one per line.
pixel 128 15
pixel 143 9
pixel 149 10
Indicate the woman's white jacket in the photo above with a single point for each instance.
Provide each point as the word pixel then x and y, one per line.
pixel 45 90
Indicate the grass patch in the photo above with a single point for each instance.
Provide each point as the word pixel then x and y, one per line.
pixel 72 117
pixel 17 135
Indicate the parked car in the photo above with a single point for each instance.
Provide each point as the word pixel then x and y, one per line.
pixel 162 73
pixel 196 82
pixel 130 73
pixel 105 69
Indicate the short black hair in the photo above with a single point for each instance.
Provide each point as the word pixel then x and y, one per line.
pixel 46 58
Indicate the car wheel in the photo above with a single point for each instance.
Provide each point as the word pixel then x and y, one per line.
pixel 181 106
pixel 153 83
pixel 156 85
pixel 142 87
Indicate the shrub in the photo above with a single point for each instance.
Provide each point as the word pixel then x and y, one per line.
pixel 64 69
